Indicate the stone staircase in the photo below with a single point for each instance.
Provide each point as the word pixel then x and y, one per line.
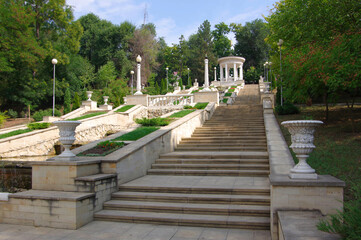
pixel 216 178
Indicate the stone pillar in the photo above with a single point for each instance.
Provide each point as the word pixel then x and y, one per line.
pixel 235 70
pixel 241 72
pixel 206 78
pixel 139 87
pixel 221 72
pixel 215 74
pixel 226 72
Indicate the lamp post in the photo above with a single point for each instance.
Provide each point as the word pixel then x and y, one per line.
pixel 54 62
pixel 167 77
pixel 280 42
pixel 139 87
pixel 132 73
pixel 264 71
pixel 188 78
pixel 267 71
pixel 206 78
pixel 270 73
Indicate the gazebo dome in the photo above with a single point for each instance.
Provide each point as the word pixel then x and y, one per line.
pixel 231 62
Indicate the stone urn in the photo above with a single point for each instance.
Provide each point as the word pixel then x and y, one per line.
pixel 302 144
pixel 266 87
pixel 105 100
pixel 67 138
pixel 89 94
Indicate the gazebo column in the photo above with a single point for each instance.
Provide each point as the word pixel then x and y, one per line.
pixel 226 73
pixel 241 72
pixel 221 72
pixel 235 70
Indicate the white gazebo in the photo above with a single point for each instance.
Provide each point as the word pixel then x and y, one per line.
pixel 226 63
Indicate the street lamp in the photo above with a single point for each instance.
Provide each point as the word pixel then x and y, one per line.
pixel 132 73
pixel 270 67
pixel 280 42
pixel 167 77
pixel 139 87
pixel 188 77
pixel 54 62
pixel 267 71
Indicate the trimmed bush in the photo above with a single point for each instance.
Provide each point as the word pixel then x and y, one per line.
pixel 287 109
pixel 152 122
pixel 12 113
pixel 201 105
pixel 3 118
pixel 34 126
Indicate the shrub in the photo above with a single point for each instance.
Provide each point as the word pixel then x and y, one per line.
pixel 34 126
pixel 76 101
pixel 3 118
pixel 67 101
pixel 225 100
pixel 188 107
pixel 12 113
pixel 38 116
pixel 228 94
pixel 286 109
pixel 153 121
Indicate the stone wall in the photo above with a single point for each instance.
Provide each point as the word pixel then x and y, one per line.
pixel 160 111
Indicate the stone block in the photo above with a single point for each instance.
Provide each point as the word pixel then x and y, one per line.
pixel 137 100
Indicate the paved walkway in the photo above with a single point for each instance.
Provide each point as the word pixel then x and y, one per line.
pixel 128 231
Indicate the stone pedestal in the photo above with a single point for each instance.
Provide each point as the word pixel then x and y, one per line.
pixel 50 119
pixel 269 96
pixel 91 105
pixel 137 100
pixel 106 107
pixel 211 96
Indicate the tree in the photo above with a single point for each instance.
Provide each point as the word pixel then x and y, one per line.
pixel 76 101
pixel 106 75
pixel 67 101
pixel 222 45
pixel 250 43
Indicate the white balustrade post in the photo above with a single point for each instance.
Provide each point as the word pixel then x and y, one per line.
pixel 221 73
pixel 226 72
pixel 139 87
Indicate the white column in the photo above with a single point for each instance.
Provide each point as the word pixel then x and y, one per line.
pixel 206 79
pixel 221 73
pixel 226 72
pixel 241 72
pixel 235 72
pixel 139 87
pixel 215 74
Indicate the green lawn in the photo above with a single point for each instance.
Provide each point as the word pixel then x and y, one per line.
pixel 228 94
pixel 181 113
pixel 87 116
pixel 136 134
pixel 14 133
pixel 125 108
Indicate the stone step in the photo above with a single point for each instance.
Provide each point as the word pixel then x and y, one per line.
pixel 249 199
pixel 221 221
pixel 228 134
pixel 189 208
pixel 220 148
pixel 212 166
pixel 227 131
pixel 215 155
pixel 227 138
pixel 182 172
pixel 210 161
pixel 219 144
pixel 197 190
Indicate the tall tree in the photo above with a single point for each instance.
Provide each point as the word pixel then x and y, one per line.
pixel 250 43
pixel 222 44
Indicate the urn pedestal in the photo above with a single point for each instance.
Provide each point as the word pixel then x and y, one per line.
pixel 302 144
pixel 67 138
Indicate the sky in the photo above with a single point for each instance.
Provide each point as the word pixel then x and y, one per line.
pixel 174 18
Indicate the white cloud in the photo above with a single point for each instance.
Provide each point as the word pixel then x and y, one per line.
pixel 166 28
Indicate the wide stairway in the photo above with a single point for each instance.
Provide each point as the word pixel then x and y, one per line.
pixel 216 178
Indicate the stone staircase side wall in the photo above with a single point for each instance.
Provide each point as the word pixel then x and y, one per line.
pixel 324 194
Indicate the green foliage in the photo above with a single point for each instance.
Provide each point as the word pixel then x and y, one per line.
pixel 87 116
pixel 12 114
pixel 14 133
pixel 286 109
pixel 222 45
pixel 109 144
pixel 102 149
pixel 225 100
pixel 181 114
pixel 38 116
pixel 3 118
pixel 136 134
pixel 201 105
pixel 252 75
pixel 67 101
pixel 152 121
pixel 228 94
pixel 76 101
pixel 35 126
pixel 231 90
pixel 125 108
pixel 106 74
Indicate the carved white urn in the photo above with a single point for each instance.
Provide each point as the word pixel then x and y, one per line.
pixel 266 86
pixel 67 138
pixel 302 144
pixel 105 100
pixel 89 94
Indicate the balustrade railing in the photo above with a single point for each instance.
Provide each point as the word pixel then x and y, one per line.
pixel 170 100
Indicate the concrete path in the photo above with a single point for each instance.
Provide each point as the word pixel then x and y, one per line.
pixel 128 231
